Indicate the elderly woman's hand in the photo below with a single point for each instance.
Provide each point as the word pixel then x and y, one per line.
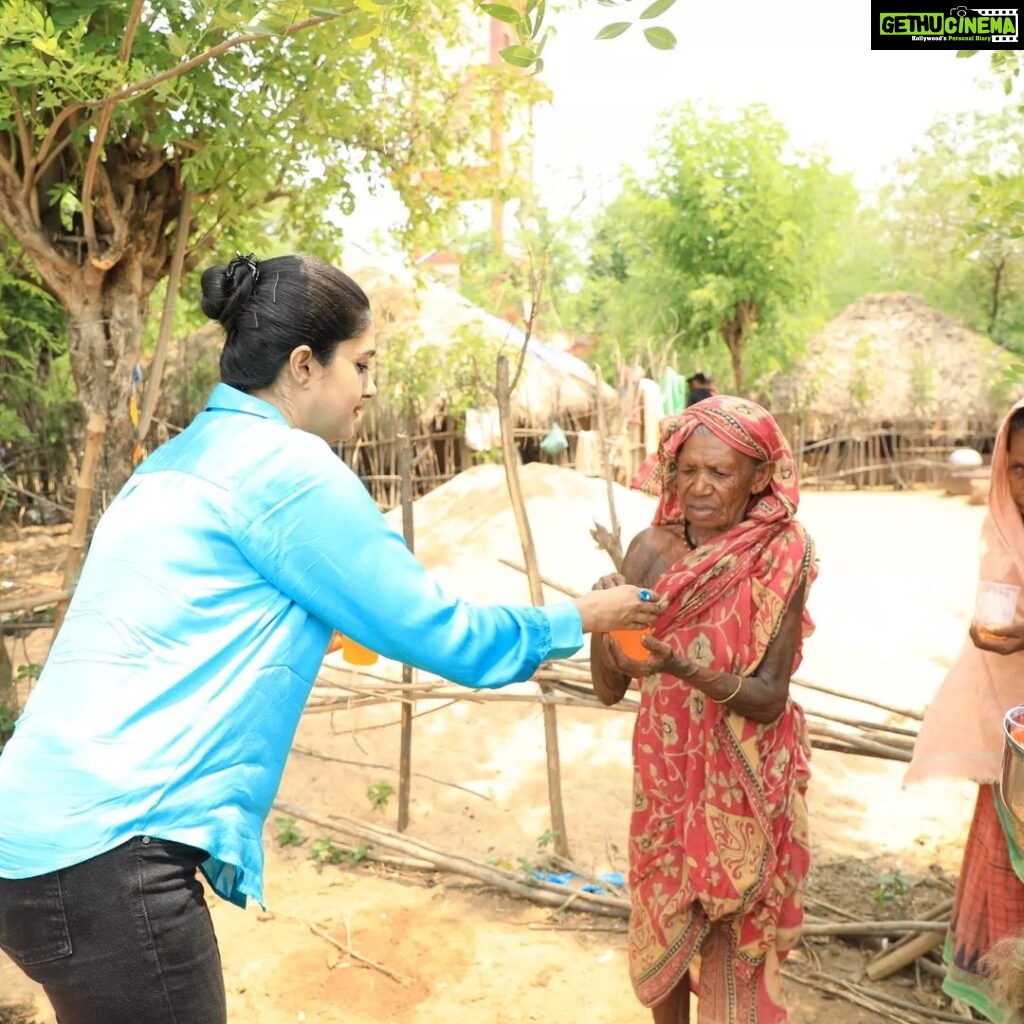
pixel 999 639
pixel 662 659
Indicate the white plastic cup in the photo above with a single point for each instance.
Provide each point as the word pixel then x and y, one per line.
pixel 996 604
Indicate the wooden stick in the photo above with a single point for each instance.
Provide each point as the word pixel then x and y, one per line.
pixel 349 951
pixel 536 890
pixel 405 735
pixel 859 742
pixel 893 960
pixel 836 990
pixel 613 543
pixel 904 712
pixel 511 459
pixel 940 912
pixel 27 603
pixel 930 1012
pixel 95 428
pixel 861 723
pixel 931 928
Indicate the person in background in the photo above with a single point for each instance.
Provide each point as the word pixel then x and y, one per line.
pixel 699 387
pixel 154 742
pixel 962 737
pixel 718 848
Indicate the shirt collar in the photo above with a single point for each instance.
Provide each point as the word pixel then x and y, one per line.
pixel 225 398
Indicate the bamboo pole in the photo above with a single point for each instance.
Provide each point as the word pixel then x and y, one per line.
pixel 883 928
pixel 511 459
pixel 903 712
pixel 405 740
pixel 95 428
pixel 908 949
pixel 613 542
pixel 896 959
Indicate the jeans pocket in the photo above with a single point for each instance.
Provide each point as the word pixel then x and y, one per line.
pixel 33 925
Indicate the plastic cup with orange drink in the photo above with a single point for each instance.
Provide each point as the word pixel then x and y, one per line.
pixel 352 652
pixel 995 607
pixel 630 641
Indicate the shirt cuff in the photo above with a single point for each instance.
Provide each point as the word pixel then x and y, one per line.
pixel 566 630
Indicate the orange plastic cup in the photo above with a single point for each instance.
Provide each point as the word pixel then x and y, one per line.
pixel 630 642
pixel 353 653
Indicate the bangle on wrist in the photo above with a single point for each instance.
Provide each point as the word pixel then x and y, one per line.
pixel 725 700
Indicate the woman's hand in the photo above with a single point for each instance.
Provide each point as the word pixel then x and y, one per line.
pixel 999 639
pixel 619 606
pixel 662 659
pixel 613 579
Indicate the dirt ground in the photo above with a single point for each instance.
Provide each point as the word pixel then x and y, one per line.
pixel 892 604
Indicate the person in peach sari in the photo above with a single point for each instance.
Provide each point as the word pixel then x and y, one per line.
pixel 718 838
pixel 962 737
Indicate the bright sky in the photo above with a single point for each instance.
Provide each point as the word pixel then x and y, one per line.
pixel 808 61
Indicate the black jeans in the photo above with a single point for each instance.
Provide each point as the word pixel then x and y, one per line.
pixel 123 938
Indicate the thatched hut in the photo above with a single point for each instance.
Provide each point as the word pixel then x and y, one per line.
pixel 888 389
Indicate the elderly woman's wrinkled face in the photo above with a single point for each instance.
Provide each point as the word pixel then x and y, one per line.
pixel 1015 469
pixel 715 482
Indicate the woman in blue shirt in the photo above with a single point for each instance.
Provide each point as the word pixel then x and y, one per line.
pixel 155 739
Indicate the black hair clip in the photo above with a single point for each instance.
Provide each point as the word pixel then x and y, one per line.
pixel 249 262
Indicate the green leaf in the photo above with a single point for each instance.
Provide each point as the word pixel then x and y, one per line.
pixel 616 28
pixel 966 53
pixel 659 7
pixel 660 38
pixel 509 15
pixel 518 56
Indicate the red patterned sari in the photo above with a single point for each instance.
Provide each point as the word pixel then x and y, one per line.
pixel 718 838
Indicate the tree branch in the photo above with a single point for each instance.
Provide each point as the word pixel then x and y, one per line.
pixel 24 139
pixel 203 58
pixel 98 142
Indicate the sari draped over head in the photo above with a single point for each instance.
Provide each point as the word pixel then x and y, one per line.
pixel 962 732
pixel 718 837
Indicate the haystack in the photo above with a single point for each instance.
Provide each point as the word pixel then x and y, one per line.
pixel 890 356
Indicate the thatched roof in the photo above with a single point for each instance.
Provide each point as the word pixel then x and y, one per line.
pixel 888 356
pixel 423 313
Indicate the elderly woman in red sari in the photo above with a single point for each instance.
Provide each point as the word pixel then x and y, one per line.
pixel 962 737
pixel 718 839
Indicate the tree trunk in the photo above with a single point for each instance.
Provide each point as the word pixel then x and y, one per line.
pixel 105 331
pixel 997 281
pixel 734 333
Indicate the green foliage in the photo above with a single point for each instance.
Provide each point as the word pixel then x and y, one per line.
pixel 29 673
pixel 952 223
pixel 379 794
pixel 657 36
pixel 38 411
pixel 892 889
pixel 504 281
pixel 323 851
pixel 288 833
pixel 725 240
pixel 264 112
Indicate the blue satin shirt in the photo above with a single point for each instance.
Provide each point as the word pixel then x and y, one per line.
pixel 168 703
